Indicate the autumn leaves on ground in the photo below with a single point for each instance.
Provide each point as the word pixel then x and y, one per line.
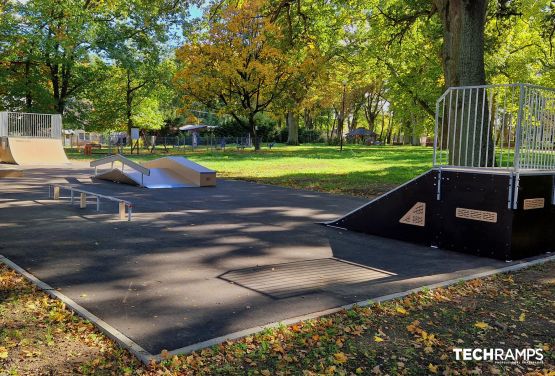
pixel 411 336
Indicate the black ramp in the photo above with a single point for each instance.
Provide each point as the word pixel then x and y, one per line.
pixel 489 213
pixel 404 213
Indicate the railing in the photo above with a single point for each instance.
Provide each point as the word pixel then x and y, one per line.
pixel 124 162
pixel 20 124
pixel 125 208
pixel 496 126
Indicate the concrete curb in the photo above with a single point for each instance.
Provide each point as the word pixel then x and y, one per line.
pixel 294 320
pixel 114 334
pixel 145 357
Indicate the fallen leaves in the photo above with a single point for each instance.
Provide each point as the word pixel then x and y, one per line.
pixel 482 325
pixel 340 358
pixel 419 331
pixel 401 310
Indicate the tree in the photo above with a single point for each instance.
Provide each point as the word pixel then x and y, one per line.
pixel 236 65
pixel 53 44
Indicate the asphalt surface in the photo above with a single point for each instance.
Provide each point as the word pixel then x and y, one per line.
pixel 199 263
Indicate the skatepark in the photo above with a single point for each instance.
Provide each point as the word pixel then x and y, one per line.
pixel 203 261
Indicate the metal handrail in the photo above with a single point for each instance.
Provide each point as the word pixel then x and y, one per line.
pixel 510 126
pixel 123 160
pixel 33 125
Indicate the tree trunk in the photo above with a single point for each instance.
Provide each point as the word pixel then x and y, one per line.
pixel 308 121
pixel 252 125
pixel 292 129
pixel 463 65
pixel 28 94
pixel 383 126
pixel 129 104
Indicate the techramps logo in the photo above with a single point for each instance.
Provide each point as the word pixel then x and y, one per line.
pixel 526 356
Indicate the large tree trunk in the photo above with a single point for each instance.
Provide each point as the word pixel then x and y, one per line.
pixel 463 65
pixel 292 129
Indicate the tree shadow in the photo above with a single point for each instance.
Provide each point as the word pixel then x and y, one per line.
pixel 158 280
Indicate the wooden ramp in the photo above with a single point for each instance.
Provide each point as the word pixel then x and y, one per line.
pixel 32 151
pixel 168 172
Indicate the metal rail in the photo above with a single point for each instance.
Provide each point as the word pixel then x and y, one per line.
pixel 509 127
pixel 125 207
pixel 124 162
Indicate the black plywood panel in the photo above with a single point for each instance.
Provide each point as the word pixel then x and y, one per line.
pixel 381 217
pixel 533 230
pixel 482 192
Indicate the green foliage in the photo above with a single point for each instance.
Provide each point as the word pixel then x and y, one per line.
pixel 108 65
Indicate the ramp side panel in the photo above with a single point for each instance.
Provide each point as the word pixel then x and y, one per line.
pixel 117 176
pixel 188 171
pixel 5 152
pixel 473 216
pixel 533 227
pixel 35 151
pixel 160 178
pixel 383 215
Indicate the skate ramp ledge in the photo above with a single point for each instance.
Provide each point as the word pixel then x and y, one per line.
pixel 168 172
pixel 189 171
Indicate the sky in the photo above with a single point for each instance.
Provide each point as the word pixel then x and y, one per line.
pixel 196 12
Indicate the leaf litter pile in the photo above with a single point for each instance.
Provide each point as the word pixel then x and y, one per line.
pixel 414 335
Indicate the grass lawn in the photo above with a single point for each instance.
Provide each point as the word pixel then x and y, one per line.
pixel 358 170
pixel 410 336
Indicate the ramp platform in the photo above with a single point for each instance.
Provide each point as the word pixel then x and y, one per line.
pixel 168 172
pixel 479 212
pixel 492 189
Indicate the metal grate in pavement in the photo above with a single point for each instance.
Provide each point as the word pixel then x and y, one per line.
pixel 301 277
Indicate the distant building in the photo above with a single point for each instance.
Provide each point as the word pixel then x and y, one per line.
pixel 80 137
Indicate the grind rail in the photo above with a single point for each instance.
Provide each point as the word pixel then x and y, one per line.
pixel 125 207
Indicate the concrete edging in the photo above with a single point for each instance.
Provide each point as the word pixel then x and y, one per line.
pixel 114 334
pixel 294 320
pixel 145 357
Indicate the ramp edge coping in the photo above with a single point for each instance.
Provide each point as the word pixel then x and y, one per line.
pixel 146 357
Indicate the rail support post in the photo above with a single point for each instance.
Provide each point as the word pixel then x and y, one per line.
pixel 83 201
pixel 55 192
pixel 122 210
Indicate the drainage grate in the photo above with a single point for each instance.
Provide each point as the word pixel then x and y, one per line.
pixel 301 277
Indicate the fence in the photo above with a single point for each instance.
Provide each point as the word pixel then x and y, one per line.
pixel 496 126
pixel 19 124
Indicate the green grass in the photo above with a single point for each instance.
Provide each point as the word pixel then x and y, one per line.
pixel 357 170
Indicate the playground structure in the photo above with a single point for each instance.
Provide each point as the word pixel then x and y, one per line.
pixel 28 139
pixel 491 191
pixel 167 172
